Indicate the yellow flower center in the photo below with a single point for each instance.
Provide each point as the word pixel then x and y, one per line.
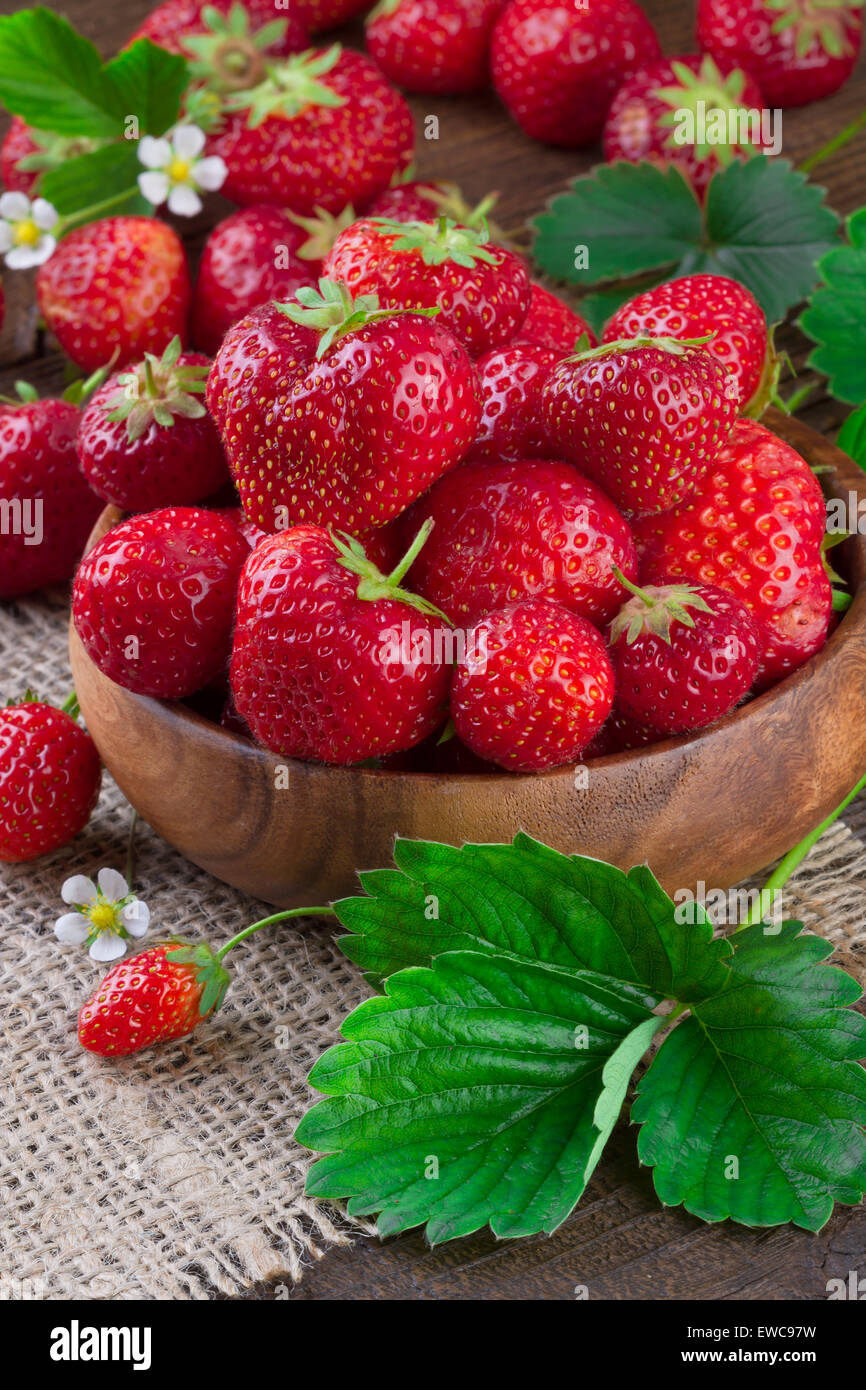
pixel 103 916
pixel 178 170
pixel 26 232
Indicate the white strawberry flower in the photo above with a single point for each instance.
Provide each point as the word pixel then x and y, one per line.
pixel 175 172
pixel 25 230
pixel 106 914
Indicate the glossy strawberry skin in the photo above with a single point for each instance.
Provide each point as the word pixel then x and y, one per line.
pixel 310 671
pixel 50 775
pixel 140 1001
pixel 165 466
pixel 644 422
pixel 552 324
pixel 693 307
pixel 174 20
pixel 506 531
pixel 696 677
pixel 121 286
pixel 557 65
pixel 18 144
pixel 166 580
pixel 541 691
pixel 325 156
pixel 330 14
pixel 753 528
pixel 437 46
pixel 38 463
pixel 397 405
pixel 742 30
pixel 484 304
pixel 512 422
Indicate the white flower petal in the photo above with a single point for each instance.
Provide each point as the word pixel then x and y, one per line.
pixel 112 885
pixel 135 917
pixel 188 141
pixel 7 239
pixel 78 890
pixel 24 257
pixel 71 928
pixel 154 187
pixel 183 201
pixel 107 946
pixel 152 153
pixel 44 214
pixel 210 173
pixel 14 206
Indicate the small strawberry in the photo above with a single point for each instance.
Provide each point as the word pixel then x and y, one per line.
pixel 49 779
pixel 537 689
pixel 332 661
pixel 683 655
pixel 146 439
pixel 512 421
pixel 798 50
pixel 552 324
pixel 557 64
pixel 47 509
pixel 157 996
pixel 415 201
pixel 646 119
pixel 698 306
pixel 644 418
pixel 117 289
pixel 753 527
pixel 153 601
pixel 507 531
pixel 336 412
pixel 482 291
pixel 226 43
pixel 437 46
pixel 330 14
pixel 323 130
pixel 25 154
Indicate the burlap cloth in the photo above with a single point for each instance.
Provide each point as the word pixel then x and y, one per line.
pixel 174 1174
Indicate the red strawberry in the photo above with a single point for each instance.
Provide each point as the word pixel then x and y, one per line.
pixel 331 660
pixel 433 45
pixel 119 286
pixel 558 63
pixel 512 421
pixel 338 413
pixel 482 291
pixel 146 439
pixel 552 324
pixel 153 601
pixel 537 689
pixel 644 418
pixel 798 50
pixel 226 42
pixel 156 996
pixel 754 528
pixel 49 779
pixel 19 143
pixel 415 201
pixel 323 130
pixel 683 655
pixel 621 734
pixel 646 119
pixel 47 510
pixel 505 531
pixel 330 14
pixel 251 533
pixel 695 306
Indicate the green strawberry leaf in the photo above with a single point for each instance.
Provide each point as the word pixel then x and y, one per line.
pixel 54 78
pixel 151 83
pixel 763 224
pixel 754 1107
pixel 85 181
pixel 852 437
pixel 836 316
pixel 532 903
pixel 466 1095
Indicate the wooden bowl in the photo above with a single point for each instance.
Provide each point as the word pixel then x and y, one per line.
pixel 716 806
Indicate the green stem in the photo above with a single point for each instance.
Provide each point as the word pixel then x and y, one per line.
pixel 834 144
pixel 96 210
pixel 269 921
pixel 412 553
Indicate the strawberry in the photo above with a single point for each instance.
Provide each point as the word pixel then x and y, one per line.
pixel 226 43
pixel 481 291
pixel 798 50
pixel 683 655
pixel 644 418
pixel 557 64
pixel 323 130
pixel 49 779
pixel 538 687
pixel 512 422
pixel 47 510
pixel 415 201
pixel 437 46
pixel 338 413
pixel 157 996
pixel 645 121
pixel 117 288
pixel 331 660
pixel 25 154
pixel 330 14
pixel 552 324
pixel 505 531
pixel 753 527
pixel 251 533
pixel 153 601
pixel 697 306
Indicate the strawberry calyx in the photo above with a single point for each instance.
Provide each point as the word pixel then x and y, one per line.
pixel 654 608
pixel 322 230
pixel 439 241
pixel 55 150
pixel 211 976
pixel 374 585
pixel 450 202
pixel 77 393
pixel 331 311
pixel 768 387
pixel 228 56
pixel 675 346
pixel 707 86
pixel 289 87
pixel 384 7
pixel 821 22
pixel 156 390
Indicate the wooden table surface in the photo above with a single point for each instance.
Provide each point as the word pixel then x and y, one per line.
pixel 620 1243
